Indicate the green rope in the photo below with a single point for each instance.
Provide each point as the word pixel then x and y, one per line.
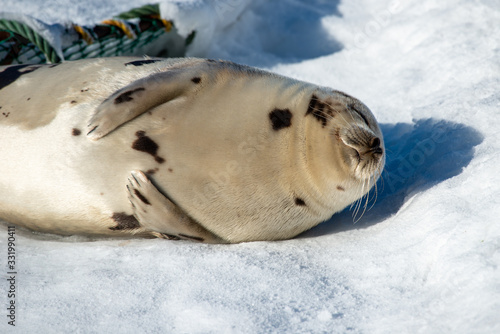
pixel 24 45
pixel 28 33
pixel 147 10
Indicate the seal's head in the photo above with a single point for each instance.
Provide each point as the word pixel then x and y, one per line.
pixel 357 152
pixel 362 141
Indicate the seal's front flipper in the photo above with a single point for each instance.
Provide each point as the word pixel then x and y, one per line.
pixel 158 214
pixel 135 99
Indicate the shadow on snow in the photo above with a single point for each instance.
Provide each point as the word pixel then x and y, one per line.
pixel 282 32
pixel 419 156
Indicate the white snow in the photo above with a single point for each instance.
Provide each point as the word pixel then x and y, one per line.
pixel 424 259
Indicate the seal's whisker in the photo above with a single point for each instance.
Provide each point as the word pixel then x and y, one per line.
pixel 359 203
pixel 368 181
pixel 366 197
pixel 375 177
pixel 375 195
pixel 359 206
pixel 382 180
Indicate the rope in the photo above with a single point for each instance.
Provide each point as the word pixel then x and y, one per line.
pixel 123 26
pixel 84 34
pixel 168 24
pixel 126 34
pixel 28 33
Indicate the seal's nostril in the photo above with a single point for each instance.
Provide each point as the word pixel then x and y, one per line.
pixel 375 143
pixel 375 146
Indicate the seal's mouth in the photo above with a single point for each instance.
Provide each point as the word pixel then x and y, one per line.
pixel 364 151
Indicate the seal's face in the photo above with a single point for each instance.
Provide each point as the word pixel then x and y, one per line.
pixel 362 141
pixel 354 132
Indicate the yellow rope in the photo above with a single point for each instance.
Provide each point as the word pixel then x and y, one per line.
pixel 121 25
pixel 85 35
pixel 167 24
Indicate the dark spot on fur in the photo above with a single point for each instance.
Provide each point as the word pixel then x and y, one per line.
pixel 53 65
pixel 147 145
pixel 313 110
pixel 125 97
pixel 280 118
pixel 340 188
pixel 124 222
pixel 29 98
pixel 84 90
pixel 141 197
pixel 73 102
pixel 312 105
pixel 196 80
pixel 299 201
pixel 191 237
pixel 142 62
pixel 321 110
pixel 152 171
pixel 6 114
pixel 170 170
pixel 76 132
pixel 211 61
pixel 12 73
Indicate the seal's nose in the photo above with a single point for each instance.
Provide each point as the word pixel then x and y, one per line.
pixel 375 146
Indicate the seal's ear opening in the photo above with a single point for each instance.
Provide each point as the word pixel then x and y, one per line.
pixel 135 99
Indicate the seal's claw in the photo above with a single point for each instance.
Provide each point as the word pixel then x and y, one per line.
pixel 96 129
pixel 139 177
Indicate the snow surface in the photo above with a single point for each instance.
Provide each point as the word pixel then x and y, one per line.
pixel 424 259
